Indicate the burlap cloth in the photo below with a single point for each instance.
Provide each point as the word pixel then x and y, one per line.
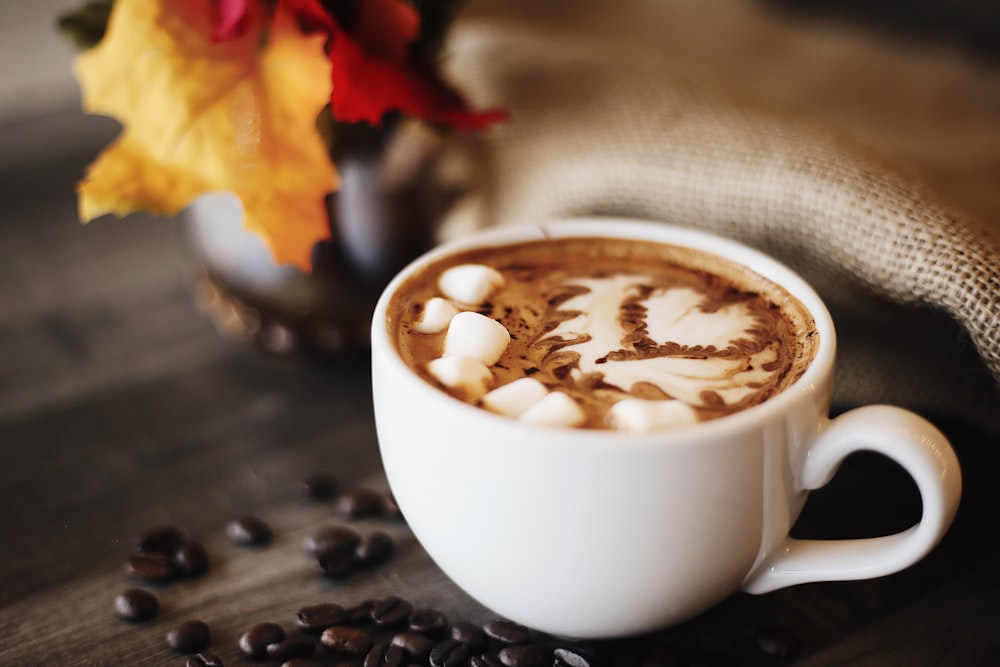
pixel 914 287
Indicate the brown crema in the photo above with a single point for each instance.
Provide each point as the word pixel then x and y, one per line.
pixel 545 281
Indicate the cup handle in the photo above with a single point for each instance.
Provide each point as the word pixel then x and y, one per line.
pixel 914 443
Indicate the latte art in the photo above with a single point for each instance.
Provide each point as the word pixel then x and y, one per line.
pixel 601 333
pixel 629 333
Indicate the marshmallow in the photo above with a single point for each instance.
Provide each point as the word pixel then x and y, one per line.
pixel 436 316
pixel 514 398
pixel 474 335
pixel 555 409
pixel 466 374
pixel 636 414
pixel 470 283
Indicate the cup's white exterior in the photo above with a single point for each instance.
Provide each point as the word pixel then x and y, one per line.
pixel 597 534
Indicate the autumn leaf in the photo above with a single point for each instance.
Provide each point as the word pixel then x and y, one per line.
pixel 203 116
pixel 374 71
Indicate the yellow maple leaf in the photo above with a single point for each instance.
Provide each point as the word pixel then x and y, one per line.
pixel 199 117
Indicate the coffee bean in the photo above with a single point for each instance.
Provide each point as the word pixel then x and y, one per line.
pixel 416 645
pixel 430 622
pixel 361 503
pixel 254 641
pixel 331 540
pixel 154 567
pixel 374 548
pixel 507 632
pixel 777 643
pixel 568 657
pixel 485 660
pixel 525 655
pixel 337 564
pixel 160 540
pixel 305 662
pixel 136 605
pixel 205 660
pixel 190 559
pixel 361 612
pixel 469 633
pixel 450 653
pixel 286 649
pixel 385 655
pixel 189 637
pixel 249 531
pixel 390 508
pixel 390 611
pixel 318 617
pixel 347 640
pixel 319 486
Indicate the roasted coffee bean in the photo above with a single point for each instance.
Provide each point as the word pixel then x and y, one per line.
pixel 318 617
pixel 430 622
pixel 154 567
pixel 337 564
pixel 390 611
pixel 361 612
pixel 777 643
pixel 136 605
pixel 485 660
pixel 469 633
pixel 330 540
pixel 390 508
pixel 286 649
pixel 571 657
pixel 305 662
pixel 525 655
pixel 347 640
pixel 385 655
pixel 320 486
pixel 254 641
pixel 361 503
pixel 189 637
pixel 160 540
pixel 507 632
pixel 416 645
pixel 190 559
pixel 249 531
pixel 205 660
pixel 374 548
pixel 450 653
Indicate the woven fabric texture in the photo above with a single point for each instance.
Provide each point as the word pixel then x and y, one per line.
pixel 897 268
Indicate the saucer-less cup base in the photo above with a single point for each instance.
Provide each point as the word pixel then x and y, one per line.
pixel 593 534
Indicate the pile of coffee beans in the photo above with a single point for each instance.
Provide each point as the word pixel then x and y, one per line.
pixel 379 632
pixel 163 554
pixel 392 632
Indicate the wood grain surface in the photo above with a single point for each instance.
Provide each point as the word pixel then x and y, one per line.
pixel 121 409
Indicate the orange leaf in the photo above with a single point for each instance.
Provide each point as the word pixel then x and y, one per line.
pixel 201 116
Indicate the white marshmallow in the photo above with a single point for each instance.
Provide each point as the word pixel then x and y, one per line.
pixel 514 398
pixel 436 316
pixel 636 414
pixel 466 374
pixel 556 409
pixel 470 283
pixel 474 335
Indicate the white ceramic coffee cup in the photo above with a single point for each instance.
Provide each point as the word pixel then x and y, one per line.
pixel 590 533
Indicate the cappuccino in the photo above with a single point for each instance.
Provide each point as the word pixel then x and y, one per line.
pixel 601 332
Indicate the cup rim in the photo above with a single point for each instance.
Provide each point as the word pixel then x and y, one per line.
pixel 814 378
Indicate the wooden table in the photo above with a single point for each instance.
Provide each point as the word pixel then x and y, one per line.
pixel 121 409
